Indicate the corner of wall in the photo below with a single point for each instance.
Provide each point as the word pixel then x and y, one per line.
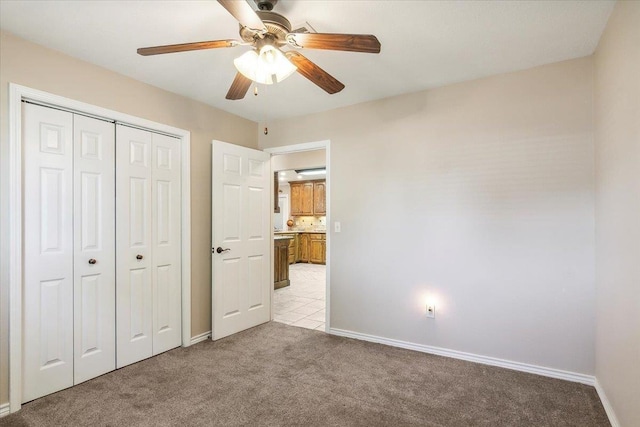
pixel 607 405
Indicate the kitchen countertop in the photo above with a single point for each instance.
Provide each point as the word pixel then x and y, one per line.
pixel 282 237
pixel 300 231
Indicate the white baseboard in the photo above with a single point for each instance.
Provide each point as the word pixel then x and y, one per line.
pixel 4 409
pixel 607 405
pixel 486 360
pixel 199 338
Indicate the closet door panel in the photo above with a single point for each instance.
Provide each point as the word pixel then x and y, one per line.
pixel 134 293
pixel 166 257
pixel 94 248
pixel 48 251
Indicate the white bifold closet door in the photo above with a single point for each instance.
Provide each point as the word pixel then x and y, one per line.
pixel 69 309
pixel 148 271
pixel 94 266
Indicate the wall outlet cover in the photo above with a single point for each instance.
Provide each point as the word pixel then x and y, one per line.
pixel 431 311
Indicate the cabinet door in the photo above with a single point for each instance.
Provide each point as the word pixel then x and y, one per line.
pixel 304 247
pixel 276 187
pixel 281 267
pixel 316 251
pixel 319 198
pixel 292 250
pixel 307 199
pixel 296 250
pixel 296 199
pixel 277 262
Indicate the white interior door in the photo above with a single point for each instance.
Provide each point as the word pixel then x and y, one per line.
pixel 48 251
pixel 134 304
pixel 242 282
pixel 94 248
pixel 165 257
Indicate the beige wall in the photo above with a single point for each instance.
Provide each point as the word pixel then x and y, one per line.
pixel 617 138
pixel 34 66
pixel 478 195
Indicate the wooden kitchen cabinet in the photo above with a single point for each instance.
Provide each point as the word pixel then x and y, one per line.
pixel 301 198
pixel 308 198
pixel 293 249
pixel 319 198
pixel 276 188
pixel 281 263
pixel 312 247
pixel 317 248
pixel 303 247
pixel 296 199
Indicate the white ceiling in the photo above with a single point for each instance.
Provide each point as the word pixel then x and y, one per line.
pixel 425 44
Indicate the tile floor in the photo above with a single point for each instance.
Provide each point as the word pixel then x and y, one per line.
pixel 303 302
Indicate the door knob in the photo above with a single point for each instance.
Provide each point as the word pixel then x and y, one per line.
pixel 220 250
pixel 139 256
pixel 92 261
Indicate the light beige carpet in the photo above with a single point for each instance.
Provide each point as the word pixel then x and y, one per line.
pixel 276 375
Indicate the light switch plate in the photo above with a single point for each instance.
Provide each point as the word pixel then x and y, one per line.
pixel 336 227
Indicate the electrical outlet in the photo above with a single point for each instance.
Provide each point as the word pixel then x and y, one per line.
pixel 431 311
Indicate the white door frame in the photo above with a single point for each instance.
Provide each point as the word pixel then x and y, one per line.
pixel 17 94
pixel 296 148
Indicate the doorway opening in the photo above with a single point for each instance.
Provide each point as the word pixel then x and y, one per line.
pixel 300 238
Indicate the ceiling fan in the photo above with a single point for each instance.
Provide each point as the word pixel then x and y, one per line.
pixel 267 32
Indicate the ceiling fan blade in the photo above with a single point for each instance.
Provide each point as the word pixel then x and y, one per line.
pixel 239 87
pixel 183 47
pixel 347 42
pixel 315 74
pixel 244 13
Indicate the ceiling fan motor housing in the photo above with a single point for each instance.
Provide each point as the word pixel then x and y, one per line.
pixel 277 25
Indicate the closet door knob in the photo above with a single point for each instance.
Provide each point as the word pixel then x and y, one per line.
pixel 139 256
pixel 92 261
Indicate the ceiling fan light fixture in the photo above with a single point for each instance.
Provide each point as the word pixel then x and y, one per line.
pixel 312 171
pixel 268 66
pixel 247 63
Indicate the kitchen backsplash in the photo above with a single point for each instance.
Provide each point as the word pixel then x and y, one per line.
pixel 306 223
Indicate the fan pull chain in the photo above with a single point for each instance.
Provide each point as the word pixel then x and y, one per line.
pixel 264 102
